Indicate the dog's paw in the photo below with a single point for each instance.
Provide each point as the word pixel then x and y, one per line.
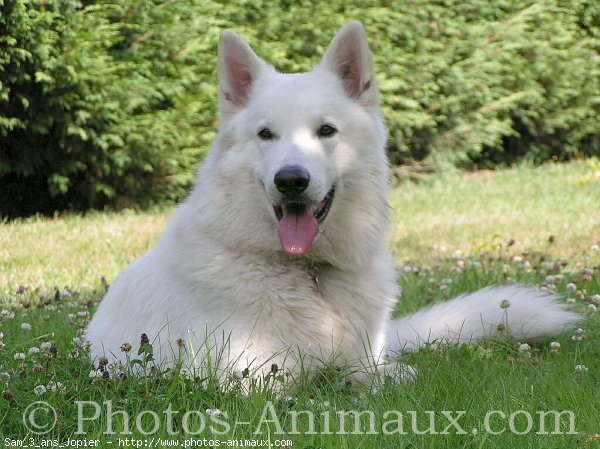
pixel 397 372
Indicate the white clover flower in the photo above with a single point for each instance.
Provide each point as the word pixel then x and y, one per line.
pixel 504 304
pixel 212 412
pixel 19 356
pixel 457 254
pixel 51 307
pixel 571 287
pixel 43 294
pixel 550 279
pixel 116 369
pixel 5 377
pixel 34 350
pixel 25 326
pixel 82 314
pixel 595 248
pixel 186 373
pixel 595 298
pixel 570 300
pixel 39 390
pixel 524 347
pixel 7 314
pixel 77 341
pixel 447 281
pixel 591 308
pixel 440 344
pixel 554 345
pixel 71 316
pixel 95 373
pixel 1 335
pixel 581 369
pixel 579 335
pixel 45 346
pixel 64 293
pixel 517 259
pixel 55 386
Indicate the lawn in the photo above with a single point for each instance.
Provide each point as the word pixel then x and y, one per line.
pixel 452 232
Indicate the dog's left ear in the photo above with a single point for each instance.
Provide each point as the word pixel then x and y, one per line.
pixel 349 57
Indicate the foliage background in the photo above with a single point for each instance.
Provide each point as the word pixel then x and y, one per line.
pixel 114 102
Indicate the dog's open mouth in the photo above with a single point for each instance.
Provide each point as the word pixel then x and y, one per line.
pixel 299 223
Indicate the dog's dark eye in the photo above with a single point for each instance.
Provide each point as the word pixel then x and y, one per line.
pixel 326 131
pixel 265 134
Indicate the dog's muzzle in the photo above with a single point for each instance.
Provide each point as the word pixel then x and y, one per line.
pixel 299 219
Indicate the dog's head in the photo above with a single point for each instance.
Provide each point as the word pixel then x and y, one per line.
pixel 309 145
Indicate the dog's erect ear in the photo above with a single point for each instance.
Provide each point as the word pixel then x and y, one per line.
pixel 238 69
pixel 349 57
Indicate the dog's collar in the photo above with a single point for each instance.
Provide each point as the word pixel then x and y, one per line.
pixel 313 272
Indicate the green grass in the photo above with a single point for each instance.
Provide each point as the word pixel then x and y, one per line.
pixel 475 211
pixel 476 214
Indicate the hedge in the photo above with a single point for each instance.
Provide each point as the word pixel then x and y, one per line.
pixel 113 103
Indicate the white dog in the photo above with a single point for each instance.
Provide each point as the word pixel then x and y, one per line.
pixel 280 255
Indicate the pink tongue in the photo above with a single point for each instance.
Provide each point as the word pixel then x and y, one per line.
pixel 297 232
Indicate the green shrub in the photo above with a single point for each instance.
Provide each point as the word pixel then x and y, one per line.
pixel 98 104
pixel 114 102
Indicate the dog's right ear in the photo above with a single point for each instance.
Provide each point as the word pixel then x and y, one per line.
pixel 238 69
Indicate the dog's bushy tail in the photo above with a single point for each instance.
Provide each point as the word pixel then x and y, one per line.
pixel 523 312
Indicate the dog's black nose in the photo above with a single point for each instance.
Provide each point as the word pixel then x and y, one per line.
pixel 292 180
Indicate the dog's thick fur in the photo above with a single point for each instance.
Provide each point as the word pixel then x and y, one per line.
pixel 227 273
